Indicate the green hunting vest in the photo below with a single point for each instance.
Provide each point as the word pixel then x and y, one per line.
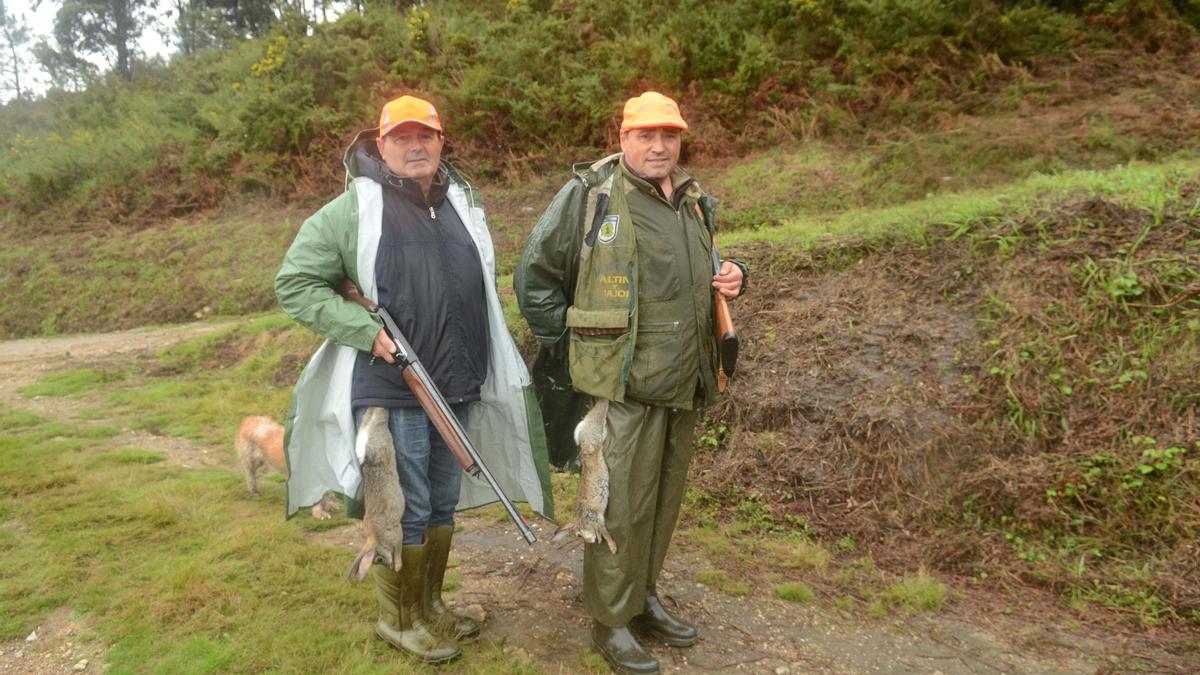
pixel 641 324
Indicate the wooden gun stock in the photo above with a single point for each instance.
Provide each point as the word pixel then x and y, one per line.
pixel 440 422
pixel 727 339
pixel 349 291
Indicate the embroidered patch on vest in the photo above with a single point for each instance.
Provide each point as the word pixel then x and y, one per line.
pixel 608 228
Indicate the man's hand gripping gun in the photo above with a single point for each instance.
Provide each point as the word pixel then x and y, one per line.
pixel 435 406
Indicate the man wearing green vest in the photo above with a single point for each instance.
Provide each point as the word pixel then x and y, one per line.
pixel 616 282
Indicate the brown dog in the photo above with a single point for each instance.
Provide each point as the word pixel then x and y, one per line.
pixel 259 443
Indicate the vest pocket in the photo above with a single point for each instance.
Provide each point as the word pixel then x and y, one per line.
pixel 658 278
pixel 599 339
pixel 654 374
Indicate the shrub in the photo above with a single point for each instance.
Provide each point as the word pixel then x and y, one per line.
pixel 530 80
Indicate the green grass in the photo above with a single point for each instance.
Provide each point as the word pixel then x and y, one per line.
pixel 713 541
pixel 176 570
pixel 593 662
pixel 71 383
pixel 1136 182
pixel 720 580
pixel 795 592
pixel 132 456
pixel 795 553
pixel 770 188
pixel 915 593
pixel 223 262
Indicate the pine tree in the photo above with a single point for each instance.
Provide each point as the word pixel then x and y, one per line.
pixel 101 27
pixel 14 35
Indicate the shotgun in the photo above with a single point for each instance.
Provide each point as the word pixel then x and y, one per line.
pixel 435 406
pixel 727 339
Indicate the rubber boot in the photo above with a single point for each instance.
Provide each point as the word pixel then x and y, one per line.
pixel 437 554
pixel 400 623
pixel 621 649
pixel 659 623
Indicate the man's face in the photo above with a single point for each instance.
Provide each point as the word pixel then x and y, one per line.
pixel 652 153
pixel 412 150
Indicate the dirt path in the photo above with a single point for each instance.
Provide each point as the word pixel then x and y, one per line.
pixel 531 595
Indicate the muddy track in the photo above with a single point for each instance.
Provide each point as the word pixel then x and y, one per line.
pixel 531 595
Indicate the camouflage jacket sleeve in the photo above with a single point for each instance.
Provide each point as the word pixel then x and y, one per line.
pixel 545 276
pixel 324 253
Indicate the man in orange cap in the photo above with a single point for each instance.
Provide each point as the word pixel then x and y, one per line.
pixel 616 282
pixel 410 233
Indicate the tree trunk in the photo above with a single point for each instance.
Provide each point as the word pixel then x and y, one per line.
pixel 16 66
pixel 122 23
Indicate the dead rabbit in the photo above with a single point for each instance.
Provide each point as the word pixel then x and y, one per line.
pixel 381 493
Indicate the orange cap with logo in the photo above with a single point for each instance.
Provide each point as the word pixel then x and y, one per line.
pixel 408 109
pixel 651 109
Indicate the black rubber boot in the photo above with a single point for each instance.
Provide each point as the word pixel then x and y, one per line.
pixel 659 623
pixel 437 554
pixel 621 650
pixel 400 623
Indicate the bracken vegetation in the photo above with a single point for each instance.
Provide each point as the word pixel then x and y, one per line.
pixel 1017 384
pixel 531 83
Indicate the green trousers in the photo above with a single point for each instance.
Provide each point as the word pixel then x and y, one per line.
pixel 648 450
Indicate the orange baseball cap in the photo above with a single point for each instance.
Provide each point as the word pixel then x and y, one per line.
pixel 651 109
pixel 408 109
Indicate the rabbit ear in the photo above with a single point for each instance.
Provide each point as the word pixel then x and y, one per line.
pixel 366 556
pixel 358 568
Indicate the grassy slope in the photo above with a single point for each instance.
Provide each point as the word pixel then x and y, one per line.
pixel 1051 440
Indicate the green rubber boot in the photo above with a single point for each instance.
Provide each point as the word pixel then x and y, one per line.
pixel 400 622
pixel 437 554
pixel 621 649
pixel 659 623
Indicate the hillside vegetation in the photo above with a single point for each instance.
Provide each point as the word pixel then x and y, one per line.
pixel 535 83
pixel 1008 378
pixel 168 188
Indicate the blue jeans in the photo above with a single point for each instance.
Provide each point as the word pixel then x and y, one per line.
pixel 430 477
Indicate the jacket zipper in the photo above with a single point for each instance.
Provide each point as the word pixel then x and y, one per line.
pixel 432 215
